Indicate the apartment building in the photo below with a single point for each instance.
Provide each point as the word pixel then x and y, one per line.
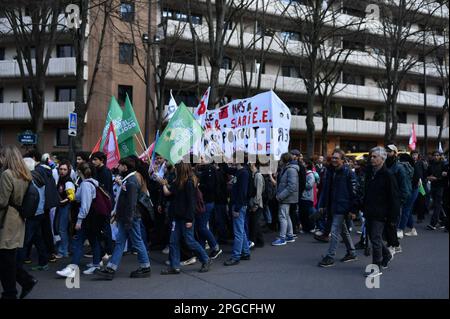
pixel 355 122
pixel 113 78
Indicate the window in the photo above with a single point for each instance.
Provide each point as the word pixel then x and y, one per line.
pixel 422 88
pixel 227 63
pixel 62 137
pixel 290 35
pixel 421 119
pixel 24 97
pixel 228 25
pixel 167 14
pixel 353 12
pixel 127 11
pixel 183 57
pixel 440 90
pixel 354 45
pixel 197 19
pixel 260 67
pixel 123 90
pixel 439 59
pixel 351 78
pixel 439 119
pixel 189 98
pixel 65 93
pixel 126 53
pixel 180 16
pixel 1 95
pixel 65 51
pixel 401 117
pixel 2 54
pixel 290 71
pixel 354 113
pixel 357 146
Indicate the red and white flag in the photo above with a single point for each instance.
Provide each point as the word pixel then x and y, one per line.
pixel 111 148
pixel 413 138
pixel 200 111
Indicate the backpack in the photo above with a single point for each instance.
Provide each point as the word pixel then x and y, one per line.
pixel 30 202
pixel 101 204
pixel 199 203
pixel 270 190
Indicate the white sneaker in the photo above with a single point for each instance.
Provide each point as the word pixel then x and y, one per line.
pixel 167 262
pixel 318 233
pixel 207 246
pixel 165 251
pixel 90 265
pixel 399 233
pixel 391 250
pixel 251 245
pixel 188 262
pixel 412 233
pixel 90 270
pixel 68 272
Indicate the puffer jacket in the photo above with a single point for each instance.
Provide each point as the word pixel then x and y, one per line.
pixel 287 188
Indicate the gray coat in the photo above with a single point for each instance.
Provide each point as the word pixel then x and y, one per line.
pixel 287 184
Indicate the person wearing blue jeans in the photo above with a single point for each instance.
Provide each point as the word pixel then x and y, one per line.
pixel 339 198
pixel 136 241
pixel 63 229
pixel 128 221
pixel 241 247
pixel 406 219
pixel 204 234
pixel 181 231
pixel 239 202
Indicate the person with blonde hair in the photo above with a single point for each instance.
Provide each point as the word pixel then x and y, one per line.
pixel 14 181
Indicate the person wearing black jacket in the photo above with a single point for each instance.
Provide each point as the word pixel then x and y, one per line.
pixel 129 222
pixel 420 167
pixel 221 204
pixel 207 185
pixel 381 206
pixel 435 171
pixel 103 175
pixel 182 195
pixel 294 211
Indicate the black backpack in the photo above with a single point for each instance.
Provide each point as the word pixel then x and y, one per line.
pixel 251 189
pixel 30 202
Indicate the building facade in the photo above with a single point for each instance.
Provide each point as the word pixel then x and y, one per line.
pixel 262 51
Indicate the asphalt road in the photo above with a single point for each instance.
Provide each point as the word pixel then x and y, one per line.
pixel 289 272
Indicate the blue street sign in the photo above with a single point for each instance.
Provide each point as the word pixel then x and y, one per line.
pixel 72 124
pixel 27 138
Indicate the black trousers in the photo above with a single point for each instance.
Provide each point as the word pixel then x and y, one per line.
pixel 390 232
pixel 254 228
pixel 420 207
pixel 293 213
pixel 11 272
pixel 375 231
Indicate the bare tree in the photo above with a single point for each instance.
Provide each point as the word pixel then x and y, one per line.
pixel 34 26
pixel 399 36
pixel 316 22
pixel 81 36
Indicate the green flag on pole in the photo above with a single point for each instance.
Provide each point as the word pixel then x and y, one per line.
pixel 115 115
pixel 179 136
pixel 127 147
pixel 130 125
pixel 421 188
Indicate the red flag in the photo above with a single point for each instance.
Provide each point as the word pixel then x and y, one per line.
pixel 97 146
pixel 413 138
pixel 111 148
pixel 200 111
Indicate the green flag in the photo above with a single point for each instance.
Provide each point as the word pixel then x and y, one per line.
pixel 115 115
pixel 127 147
pixel 421 188
pixel 130 125
pixel 179 136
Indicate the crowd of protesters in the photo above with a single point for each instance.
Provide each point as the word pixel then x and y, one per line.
pixel 190 211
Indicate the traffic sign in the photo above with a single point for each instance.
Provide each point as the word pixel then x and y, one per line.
pixel 27 138
pixel 72 129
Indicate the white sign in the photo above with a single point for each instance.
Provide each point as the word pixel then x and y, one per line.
pixel 256 125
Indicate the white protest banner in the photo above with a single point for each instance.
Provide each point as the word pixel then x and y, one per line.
pixel 257 125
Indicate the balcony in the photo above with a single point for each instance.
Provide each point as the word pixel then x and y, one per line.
pixel 278 45
pixel 185 73
pixel 364 128
pixel 57 67
pixel 19 111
